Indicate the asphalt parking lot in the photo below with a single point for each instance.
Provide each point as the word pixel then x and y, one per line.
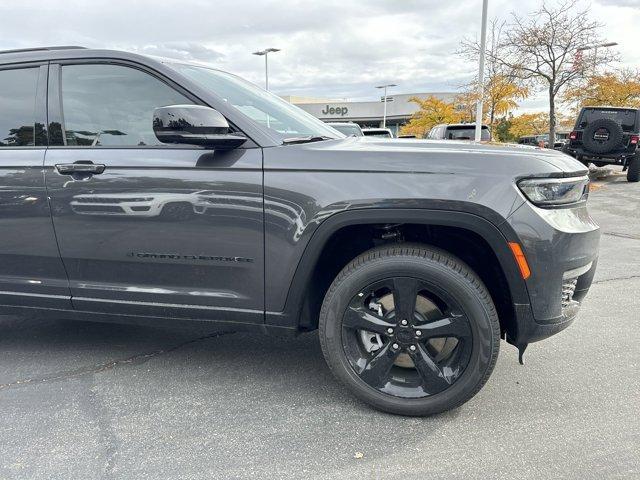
pixel 92 401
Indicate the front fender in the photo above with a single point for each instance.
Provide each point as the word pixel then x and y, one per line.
pixel 483 222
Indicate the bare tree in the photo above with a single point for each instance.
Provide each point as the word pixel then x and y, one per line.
pixel 545 48
pixel 502 88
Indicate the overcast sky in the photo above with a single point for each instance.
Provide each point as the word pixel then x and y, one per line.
pixel 330 48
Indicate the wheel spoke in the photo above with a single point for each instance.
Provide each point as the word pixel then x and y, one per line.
pixel 405 293
pixel 376 370
pixel 451 326
pixel 358 318
pixel 433 378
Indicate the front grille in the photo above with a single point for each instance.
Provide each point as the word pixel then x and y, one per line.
pixel 568 289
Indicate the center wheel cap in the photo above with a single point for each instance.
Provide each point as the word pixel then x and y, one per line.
pixel 404 335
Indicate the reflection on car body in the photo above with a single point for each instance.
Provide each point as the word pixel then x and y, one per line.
pixel 146 204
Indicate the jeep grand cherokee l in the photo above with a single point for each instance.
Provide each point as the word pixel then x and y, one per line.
pixel 411 258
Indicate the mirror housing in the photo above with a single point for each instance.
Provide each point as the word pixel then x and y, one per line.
pixel 194 125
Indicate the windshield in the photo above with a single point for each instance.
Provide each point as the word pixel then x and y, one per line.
pixel 467 133
pixel 377 133
pixel 279 116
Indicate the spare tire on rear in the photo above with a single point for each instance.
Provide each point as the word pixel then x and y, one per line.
pixel 602 136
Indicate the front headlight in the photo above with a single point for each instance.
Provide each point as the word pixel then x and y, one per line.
pixel 549 192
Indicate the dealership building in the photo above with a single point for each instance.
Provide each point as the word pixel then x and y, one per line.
pixel 367 114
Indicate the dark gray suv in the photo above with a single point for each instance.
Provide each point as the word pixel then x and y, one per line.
pixel 134 189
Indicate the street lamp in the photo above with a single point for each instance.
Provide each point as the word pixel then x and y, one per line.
pixel 595 48
pixel 384 115
pixel 266 53
pixel 598 45
pixel 483 43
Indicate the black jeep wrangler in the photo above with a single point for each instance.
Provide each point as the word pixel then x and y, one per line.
pixel 607 135
pixel 136 189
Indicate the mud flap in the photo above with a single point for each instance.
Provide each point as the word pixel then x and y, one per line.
pixel 521 349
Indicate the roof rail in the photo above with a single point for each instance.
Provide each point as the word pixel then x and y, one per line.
pixel 40 49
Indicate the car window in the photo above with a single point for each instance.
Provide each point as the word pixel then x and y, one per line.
pixel 17 107
pixel 112 105
pixel 348 129
pixel 282 118
pixel 466 133
pixel 625 118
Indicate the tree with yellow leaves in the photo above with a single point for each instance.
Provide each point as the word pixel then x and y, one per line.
pixel 501 95
pixel 529 124
pixel 616 89
pixel 432 112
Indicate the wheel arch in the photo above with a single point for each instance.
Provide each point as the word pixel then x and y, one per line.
pixel 298 313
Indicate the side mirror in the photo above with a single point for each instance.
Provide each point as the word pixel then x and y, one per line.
pixel 194 125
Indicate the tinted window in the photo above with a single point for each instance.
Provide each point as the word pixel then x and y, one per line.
pixel 17 106
pixel 466 133
pixel 626 118
pixel 376 133
pixel 106 105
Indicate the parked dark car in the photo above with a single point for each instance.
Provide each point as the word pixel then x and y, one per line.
pixel 543 140
pixel 153 192
pixel 458 131
pixel 607 135
pixel 349 129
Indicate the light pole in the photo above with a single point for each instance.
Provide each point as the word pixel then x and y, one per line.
pixel 384 115
pixel 266 53
pixel 483 46
pixel 595 48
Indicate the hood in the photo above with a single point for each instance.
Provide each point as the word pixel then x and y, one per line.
pixel 436 156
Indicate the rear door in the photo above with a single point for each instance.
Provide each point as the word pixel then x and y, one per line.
pixel 150 229
pixel 31 272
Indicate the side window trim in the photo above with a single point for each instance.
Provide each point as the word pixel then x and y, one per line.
pixel 40 135
pixel 54 108
pixel 57 137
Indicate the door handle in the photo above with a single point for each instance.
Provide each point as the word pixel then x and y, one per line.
pixel 81 166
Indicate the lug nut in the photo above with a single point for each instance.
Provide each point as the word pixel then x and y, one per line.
pixel 395 346
pixel 404 322
pixel 412 348
pixel 389 330
pixel 418 333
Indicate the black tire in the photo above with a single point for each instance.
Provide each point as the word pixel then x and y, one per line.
pixel 603 136
pixel 633 170
pixel 424 264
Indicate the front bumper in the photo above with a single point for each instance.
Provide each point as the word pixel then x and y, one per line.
pixel 561 247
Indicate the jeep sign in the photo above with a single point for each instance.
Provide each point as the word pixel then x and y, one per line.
pixel 342 111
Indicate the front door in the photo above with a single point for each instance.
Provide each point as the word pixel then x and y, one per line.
pixel 146 228
pixel 31 272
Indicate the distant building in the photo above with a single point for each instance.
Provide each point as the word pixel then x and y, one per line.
pixel 367 114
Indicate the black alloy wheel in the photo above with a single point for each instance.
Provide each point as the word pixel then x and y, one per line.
pixel 406 337
pixel 409 329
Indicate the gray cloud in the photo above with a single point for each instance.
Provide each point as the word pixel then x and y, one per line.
pixel 335 48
